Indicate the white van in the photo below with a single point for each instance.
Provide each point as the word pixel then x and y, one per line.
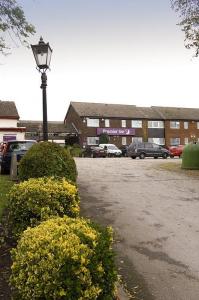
pixel 112 150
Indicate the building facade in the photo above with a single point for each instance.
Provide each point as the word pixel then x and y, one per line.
pixel 58 132
pixel 126 123
pixel 9 118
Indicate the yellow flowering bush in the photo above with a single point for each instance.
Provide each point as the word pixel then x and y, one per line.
pixel 37 199
pixel 64 258
pixel 47 159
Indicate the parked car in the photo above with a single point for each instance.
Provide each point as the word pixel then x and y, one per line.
pixel 176 150
pixel 146 149
pixel 112 150
pixel 94 151
pixel 10 147
pixel 124 150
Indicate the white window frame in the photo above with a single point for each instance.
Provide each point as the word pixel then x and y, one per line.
pixel 186 140
pixel 186 125
pixel 136 123
pixel 107 123
pixel 92 140
pixel 175 124
pixel 123 123
pixel 92 122
pixel 137 139
pixel 124 140
pixel 156 124
pixel 172 143
pixel 159 141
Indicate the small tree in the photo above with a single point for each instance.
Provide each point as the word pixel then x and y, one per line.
pixel 103 138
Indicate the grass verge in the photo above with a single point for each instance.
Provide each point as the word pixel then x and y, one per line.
pixel 176 167
pixel 5 185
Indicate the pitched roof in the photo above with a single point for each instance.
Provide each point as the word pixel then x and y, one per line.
pixel 177 113
pixel 8 110
pixel 86 109
pixel 53 126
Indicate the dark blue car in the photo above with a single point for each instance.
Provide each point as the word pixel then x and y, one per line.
pixel 10 147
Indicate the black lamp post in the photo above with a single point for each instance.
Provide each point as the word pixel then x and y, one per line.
pixel 42 53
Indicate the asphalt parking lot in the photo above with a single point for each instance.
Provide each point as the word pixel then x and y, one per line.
pixel 155 216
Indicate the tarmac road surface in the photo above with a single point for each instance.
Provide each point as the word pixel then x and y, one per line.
pixel 155 217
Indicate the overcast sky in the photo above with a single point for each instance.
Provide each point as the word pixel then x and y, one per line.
pixel 108 51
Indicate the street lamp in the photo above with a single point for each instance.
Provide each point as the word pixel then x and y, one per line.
pixel 42 53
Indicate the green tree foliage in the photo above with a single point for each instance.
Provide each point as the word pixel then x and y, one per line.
pixel 188 11
pixel 13 23
pixel 103 138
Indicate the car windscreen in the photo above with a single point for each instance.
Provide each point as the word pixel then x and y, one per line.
pixel 21 146
pixel 112 147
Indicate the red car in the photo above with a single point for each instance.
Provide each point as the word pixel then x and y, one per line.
pixel 176 150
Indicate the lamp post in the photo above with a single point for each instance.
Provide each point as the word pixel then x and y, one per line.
pixel 42 53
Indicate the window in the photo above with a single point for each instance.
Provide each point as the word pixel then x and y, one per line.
pixel 136 123
pixel 92 122
pixel 123 123
pixel 159 141
pixel 92 140
pixel 186 125
pixel 197 125
pixel 136 139
pixel 123 140
pixel 107 123
pixel 155 124
pixel 175 124
pixel 186 140
pixel 175 141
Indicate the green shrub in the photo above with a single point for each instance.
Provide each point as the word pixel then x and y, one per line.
pixel 64 258
pixel 37 199
pixel 47 159
pixel 104 138
pixel 75 150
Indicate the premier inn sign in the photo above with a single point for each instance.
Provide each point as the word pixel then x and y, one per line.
pixel 116 131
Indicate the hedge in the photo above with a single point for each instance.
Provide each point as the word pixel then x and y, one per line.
pixel 64 258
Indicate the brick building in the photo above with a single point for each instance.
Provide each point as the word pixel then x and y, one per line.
pixel 126 123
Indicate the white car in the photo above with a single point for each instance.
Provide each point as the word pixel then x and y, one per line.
pixel 111 150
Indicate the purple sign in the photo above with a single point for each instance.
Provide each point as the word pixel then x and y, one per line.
pixel 7 138
pixel 116 131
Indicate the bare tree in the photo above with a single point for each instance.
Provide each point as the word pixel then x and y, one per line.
pixel 188 11
pixel 13 23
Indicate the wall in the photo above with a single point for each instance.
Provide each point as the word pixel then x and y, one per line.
pixel 8 123
pixel 181 132
pixel 19 135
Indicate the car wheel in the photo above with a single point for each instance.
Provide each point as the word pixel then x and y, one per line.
pixel 164 155
pixel 155 157
pixel 133 157
pixel 171 156
pixel 142 156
